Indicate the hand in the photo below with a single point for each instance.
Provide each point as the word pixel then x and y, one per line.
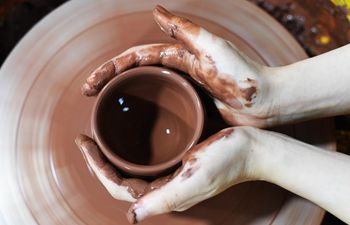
pixel 237 83
pixel 245 93
pixel 209 168
pixel 229 157
pixel 237 87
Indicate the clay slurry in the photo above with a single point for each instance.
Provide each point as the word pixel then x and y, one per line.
pixel 147 121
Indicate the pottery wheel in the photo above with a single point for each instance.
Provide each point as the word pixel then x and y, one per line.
pixel 44 177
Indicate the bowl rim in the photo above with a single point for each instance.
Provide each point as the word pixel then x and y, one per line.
pixel 133 168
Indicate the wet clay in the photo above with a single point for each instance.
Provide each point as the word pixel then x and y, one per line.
pixel 189 158
pixel 146 120
pixel 204 70
pixel 177 27
pixel 187 58
pixel 98 79
pixel 136 187
pixel 170 55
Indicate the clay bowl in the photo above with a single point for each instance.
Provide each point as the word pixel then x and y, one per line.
pixel 145 119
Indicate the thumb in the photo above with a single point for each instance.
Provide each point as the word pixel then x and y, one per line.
pixel 198 179
pixel 176 195
pixel 194 37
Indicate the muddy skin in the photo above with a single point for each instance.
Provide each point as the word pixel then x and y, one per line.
pixel 178 56
pixel 248 93
pixel 189 158
pixel 177 27
pixel 173 56
pixel 184 57
pixel 98 79
pixel 190 155
pixel 131 216
pixel 170 55
pixel 231 118
pixel 138 187
pixel 221 88
pixel 204 70
pixel 227 90
pixel 189 172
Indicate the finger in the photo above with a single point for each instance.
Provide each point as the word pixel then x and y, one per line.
pixel 104 171
pixel 195 38
pixel 170 55
pixel 198 179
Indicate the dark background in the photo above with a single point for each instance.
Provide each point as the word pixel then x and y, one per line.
pixel 317 25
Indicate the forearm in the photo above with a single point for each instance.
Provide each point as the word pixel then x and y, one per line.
pixel 313 88
pixel 320 176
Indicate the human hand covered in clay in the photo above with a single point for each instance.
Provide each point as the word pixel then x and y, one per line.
pixel 245 93
pixel 228 75
pixel 231 156
pixel 203 170
pixel 197 55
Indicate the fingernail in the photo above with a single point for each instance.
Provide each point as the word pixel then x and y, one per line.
pixel 136 214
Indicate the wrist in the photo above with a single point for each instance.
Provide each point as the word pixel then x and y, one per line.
pixel 264 156
pixel 287 98
pixel 258 154
pixel 301 91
